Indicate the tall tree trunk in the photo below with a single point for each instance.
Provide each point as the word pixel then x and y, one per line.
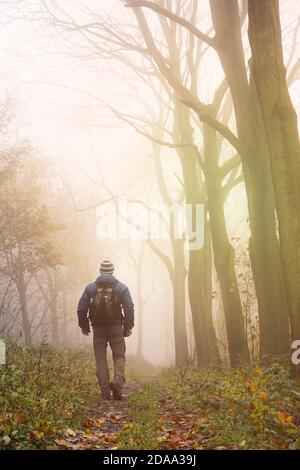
pixel 53 285
pixel 265 260
pixel 200 264
pixel 280 122
pixel 21 287
pixel 199 274
pixel 274 323
pixel 54 321
pixel 177 273
pixel 140 309
pixel 178 286
pixel 223 252
pixel 64 307
pixel 206 291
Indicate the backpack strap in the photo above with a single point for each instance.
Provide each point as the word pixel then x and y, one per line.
pixel 106 286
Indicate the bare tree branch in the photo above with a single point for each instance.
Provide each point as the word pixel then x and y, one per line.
pixel 229 165
pixel 172 16
pixel 204 116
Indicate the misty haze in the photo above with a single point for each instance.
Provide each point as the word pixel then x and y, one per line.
pixel 149 201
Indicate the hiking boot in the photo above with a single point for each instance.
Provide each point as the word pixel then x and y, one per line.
pixel 106 394
pixel 116 388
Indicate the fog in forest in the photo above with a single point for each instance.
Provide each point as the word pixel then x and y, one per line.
pixel 103 125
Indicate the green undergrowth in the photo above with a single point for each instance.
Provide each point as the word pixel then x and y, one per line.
pixel 250 407
pixel 41 391
pixel 45 390
pixel 246 408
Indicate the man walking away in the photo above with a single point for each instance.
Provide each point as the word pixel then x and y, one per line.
pixel 107 305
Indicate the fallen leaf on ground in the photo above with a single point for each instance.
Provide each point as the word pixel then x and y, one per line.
pixel 69 432
pixel 114 416
pixel 61 443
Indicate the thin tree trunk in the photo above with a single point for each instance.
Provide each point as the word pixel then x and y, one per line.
pixel 178 286
pixel 177 274
pixel 140 309
pixel 52 280
pixel 54 321
pixel 21 287
pixel 200 265
pixel 223 252
pixel 64 307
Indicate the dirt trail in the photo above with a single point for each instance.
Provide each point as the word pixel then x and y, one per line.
pixel 99 429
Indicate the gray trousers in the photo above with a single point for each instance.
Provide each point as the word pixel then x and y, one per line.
pixel 112 334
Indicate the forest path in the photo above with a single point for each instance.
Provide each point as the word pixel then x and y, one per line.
pixel 99 429
pixel 153 419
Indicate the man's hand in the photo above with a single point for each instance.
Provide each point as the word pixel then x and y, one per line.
pixel 85 332
pixel 128 332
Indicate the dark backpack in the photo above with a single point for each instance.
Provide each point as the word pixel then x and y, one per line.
pixel 105 305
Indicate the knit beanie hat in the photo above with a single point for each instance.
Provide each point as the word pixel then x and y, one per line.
pixel 106 267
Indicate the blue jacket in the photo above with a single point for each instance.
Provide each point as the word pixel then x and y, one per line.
pixel 89 292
